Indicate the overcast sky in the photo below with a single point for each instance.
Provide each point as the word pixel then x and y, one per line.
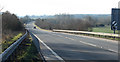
pixel 51 7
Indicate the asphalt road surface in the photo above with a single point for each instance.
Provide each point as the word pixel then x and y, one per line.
pixel 70 47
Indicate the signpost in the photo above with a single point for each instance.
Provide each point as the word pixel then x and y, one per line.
pixel 115 21
pixel 119 21
pixel 114 26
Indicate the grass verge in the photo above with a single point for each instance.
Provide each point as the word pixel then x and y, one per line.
pixel 25 52
pixel 6 44
pixel 106 29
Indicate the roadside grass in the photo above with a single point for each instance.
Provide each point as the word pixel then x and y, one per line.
pixel 26 52
pixel 106 29
pixel 16 37
pixel 6 44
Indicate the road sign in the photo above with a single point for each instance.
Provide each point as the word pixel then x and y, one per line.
pixel 115 21
pixel 114 25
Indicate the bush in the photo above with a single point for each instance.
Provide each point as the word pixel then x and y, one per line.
pixel 11 25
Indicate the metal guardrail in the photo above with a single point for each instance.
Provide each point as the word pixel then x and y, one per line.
pixel 37 44
pixel 91 33
pixel 48 56
pixel 4 55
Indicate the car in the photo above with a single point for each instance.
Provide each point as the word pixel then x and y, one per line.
pixel 34 27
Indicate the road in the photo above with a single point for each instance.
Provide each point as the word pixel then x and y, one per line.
pixel 74 47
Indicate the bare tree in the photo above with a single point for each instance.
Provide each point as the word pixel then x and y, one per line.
pixel 65 21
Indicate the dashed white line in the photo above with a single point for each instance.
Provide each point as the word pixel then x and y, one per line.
pixel 101 47
pixel 96 46
pixel 112 50
pixel 71 39
pixel 57 35
pixel 87 43
pixel 108 40
pixel 64 37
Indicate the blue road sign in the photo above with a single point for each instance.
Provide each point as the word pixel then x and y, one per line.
pixel 115 19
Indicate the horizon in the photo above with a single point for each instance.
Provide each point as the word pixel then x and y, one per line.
pixel 62 14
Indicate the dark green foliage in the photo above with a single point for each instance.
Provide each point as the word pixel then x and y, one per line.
pixel 25 52
pixel 11 22
pixel 11 26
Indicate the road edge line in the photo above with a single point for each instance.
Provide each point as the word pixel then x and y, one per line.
pixel 56 55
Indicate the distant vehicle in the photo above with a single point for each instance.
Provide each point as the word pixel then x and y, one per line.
pixel 50 28
pixel 34 27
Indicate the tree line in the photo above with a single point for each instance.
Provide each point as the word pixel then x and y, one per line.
pixel 10 25
pixel 69 22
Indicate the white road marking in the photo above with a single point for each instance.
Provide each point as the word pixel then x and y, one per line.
pixel 112 50
pixel 108 40
pixel 64 37
pixel 71 39
pixel 101 47
pixel 57 35
pixel 96 46
pixel 49 48
pixel 87 43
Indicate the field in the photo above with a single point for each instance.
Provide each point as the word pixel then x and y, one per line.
pixel 106 29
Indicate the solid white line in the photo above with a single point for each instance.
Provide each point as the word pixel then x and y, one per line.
pixel 49 49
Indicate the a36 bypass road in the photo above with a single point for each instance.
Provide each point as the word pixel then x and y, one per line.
pixel 74 47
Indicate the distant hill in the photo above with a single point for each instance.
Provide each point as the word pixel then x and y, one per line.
pixel 43 16
pixel 75 15
pixel 92 15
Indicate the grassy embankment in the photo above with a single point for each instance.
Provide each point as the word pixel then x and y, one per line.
pixel 106 29
pixel 26 52
pixel 6 43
